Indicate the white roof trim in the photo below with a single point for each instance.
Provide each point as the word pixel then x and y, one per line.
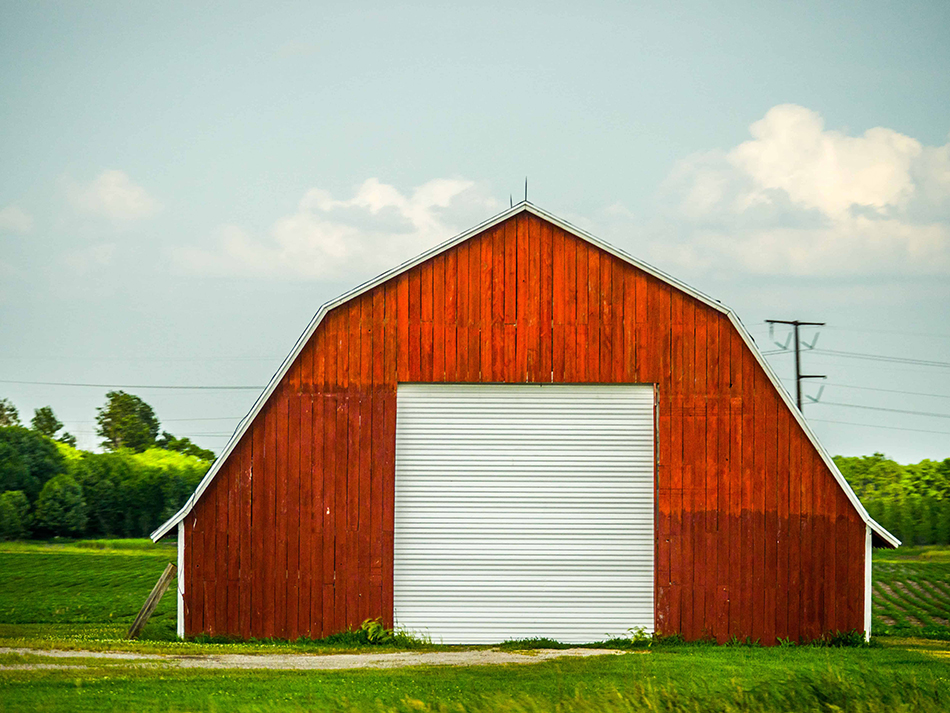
pixel 527 207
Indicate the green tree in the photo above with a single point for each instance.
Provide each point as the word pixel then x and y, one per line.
pixel 38 453
pixel 872 476
pixel 875 509
pixel 908 520
pixel 9 416
pixel 61 508
pixel 129 494
pixel 14 470
pixel 98 474
pixel 925 477
pixel 45 421
pixel 943 523
pixel 943 479
pixel 889 514
pixel 927 527
pixel 126 421
pixel 912 501
pixel 14 515
pixel 183 445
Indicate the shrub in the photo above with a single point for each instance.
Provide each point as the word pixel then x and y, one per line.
pixel 637 638
pixel 61 508
pixel 14 515
pixel 374 632
pixel 842 639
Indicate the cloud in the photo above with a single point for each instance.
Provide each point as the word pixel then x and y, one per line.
pixel 328 238
pixel 800 199
pixel 15 220
pixel 113 195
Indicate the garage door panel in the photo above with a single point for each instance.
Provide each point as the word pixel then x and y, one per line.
pixel 524 511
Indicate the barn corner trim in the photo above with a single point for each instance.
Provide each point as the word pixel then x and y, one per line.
pixel 882 536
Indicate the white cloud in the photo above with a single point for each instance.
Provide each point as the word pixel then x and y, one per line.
pixel 15 220
pixel 800 199
pixel 826 170
pixel 113 195
pixel 327 238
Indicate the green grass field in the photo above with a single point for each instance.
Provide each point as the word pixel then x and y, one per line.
pixel 84 595
pixel 84 590
pixel 912 591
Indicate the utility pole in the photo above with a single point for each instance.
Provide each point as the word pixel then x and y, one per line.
pixel 795 324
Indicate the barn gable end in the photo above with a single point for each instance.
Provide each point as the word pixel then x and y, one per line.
pixel 757 534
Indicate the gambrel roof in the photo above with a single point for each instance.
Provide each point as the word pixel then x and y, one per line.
pixel 881 536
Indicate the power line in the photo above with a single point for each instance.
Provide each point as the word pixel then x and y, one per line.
pixel 171 420
pixel 881 357
pixel 891 410
pixel 874 425
pixel 47 357
pixel 891 331
pixel 133 386
pixel 872 388
pixel 760 328
pixel 889 391
pixel 852 367
pixel 217 418
pixel 869 357
pixel 189 435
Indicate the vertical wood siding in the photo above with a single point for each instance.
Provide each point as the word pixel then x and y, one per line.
pixel 754 537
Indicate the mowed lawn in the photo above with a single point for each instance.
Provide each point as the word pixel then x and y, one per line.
pixel 80 596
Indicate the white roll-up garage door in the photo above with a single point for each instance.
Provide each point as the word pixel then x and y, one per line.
pixel 524 511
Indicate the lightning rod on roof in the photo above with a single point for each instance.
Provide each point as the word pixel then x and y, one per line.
pixel 511 201
pixel 525 189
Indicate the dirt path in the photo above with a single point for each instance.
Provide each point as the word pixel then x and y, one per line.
pixel 305 662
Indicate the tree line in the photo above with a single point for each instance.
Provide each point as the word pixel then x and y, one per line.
pixel 49 488
pixel 910 501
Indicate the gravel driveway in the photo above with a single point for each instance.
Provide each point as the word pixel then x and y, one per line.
pixel 305 662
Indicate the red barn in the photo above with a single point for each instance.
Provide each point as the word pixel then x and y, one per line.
pixel 525 432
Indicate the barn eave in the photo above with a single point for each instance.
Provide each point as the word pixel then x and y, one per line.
pixel 880 536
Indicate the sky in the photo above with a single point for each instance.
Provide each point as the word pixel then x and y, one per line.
pixel 183 184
